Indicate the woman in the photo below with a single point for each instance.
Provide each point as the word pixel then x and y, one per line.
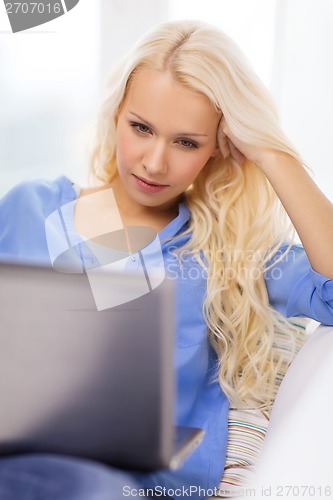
pixel 190 144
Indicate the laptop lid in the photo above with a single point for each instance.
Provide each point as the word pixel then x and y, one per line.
pixel 75 380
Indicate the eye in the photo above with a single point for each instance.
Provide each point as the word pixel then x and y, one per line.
pixel 140 127
pixel 188 144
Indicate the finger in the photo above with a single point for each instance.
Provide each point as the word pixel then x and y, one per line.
pixel 224 125
pixel 224 146
pixel 222 139
pixel 236 154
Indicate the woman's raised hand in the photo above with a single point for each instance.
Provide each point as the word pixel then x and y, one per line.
pixel 240 151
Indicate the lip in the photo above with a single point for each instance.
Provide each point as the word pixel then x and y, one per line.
pixel 148 182
pixel 148 187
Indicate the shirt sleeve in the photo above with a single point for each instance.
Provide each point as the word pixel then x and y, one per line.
pixel 23 211
pixel 295 289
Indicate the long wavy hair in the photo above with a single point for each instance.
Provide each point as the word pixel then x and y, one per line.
pixel 237 222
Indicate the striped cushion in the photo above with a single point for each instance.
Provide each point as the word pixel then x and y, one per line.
pixel 247 429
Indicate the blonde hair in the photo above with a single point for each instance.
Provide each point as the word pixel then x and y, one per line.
pixel 237 222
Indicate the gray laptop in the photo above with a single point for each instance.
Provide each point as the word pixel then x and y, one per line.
pixel 83 382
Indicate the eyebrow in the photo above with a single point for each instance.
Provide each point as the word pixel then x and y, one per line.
pixel 193 134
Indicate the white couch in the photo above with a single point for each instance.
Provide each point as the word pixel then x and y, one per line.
pixel 296 457
pixel 298 447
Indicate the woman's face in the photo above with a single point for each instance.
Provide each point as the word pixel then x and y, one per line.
pixel 165 136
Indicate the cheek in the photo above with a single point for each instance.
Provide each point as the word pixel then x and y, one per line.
pixel 193 166
pixel 125 151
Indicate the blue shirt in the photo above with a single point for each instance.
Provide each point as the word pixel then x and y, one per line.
pixel 294 289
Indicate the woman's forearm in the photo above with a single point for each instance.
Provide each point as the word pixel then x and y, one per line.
pixel 308 208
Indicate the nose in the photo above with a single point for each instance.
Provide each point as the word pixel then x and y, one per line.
pixel 155 159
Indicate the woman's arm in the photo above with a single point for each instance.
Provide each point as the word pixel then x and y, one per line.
pixel 309 210
pixel 295 289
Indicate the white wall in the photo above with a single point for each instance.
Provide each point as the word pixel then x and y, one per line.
pixel 302 81
pixel 51 82
pixel 122 23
